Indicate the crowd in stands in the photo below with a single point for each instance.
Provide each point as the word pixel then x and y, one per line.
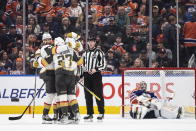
pixel 121 28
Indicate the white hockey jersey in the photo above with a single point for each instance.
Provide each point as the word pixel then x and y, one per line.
pixel 47 57
pixel 66 60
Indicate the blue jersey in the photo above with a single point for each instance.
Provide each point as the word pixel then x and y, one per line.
pixel 143 92
pixel 135 94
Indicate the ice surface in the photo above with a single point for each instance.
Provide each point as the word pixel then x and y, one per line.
pixel 110 123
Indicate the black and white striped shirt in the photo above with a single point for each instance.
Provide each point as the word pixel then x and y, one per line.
pixel 94 59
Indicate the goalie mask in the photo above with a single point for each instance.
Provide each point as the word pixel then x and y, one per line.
pixel 143 85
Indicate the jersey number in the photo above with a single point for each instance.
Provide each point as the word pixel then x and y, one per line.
pixel 65 60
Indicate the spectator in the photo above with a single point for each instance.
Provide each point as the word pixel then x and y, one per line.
pixel 136 45
pixel 44 8
pixel 53 24
pixel 29 30
pixel 14 54
pixel 4 38
pixel 155 64
pixel 99 42
pixel 156 14
pixel 35 26
pixel 144 58
pixel 128 38
pixel 93 29
pixel 12 10
pixel 104 18
pixel 155 23
pixel 111 28
pixel 168 51
pixel 66 27
pixel 96 10
pixel 169 33
pixel 33 42
pixel 46 29
pixel 122 66
pixel 138 63
pixel 112 62
pixel 18 70
pixel 128 59
pixel 30 9
pixel 5 63
pixel 150 53
pixel 118 47
pixel 122 19
pixel 163 60
pixel 19 26
pixel 76 15
pixel 12 37
pixel 190 36
pixel 60 9
pixel 131 7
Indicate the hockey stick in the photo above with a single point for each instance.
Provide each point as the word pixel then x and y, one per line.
pixel 19 117
pixel 35 91
pixel 89 91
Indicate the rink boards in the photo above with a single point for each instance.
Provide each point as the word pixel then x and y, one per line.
pixel 22 87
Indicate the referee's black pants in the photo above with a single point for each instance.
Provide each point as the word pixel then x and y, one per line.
pixel 94 83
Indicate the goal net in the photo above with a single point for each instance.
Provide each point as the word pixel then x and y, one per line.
pixel 176 83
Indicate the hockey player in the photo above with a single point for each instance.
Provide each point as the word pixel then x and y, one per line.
pixel 72 39
pixel 65 65
pixel 145 105
pixel 45 61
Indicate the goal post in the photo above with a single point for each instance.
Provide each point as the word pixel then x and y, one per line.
pixel 177 83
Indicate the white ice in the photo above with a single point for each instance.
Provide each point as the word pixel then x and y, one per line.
pixel 110 123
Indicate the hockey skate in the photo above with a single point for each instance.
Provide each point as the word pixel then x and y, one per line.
pixel 100 117
pixel 88 118
pixel 77 118
pixel 180 113
pixel 64 120
pixel 55 118
pixel 74 118
pixel 46 119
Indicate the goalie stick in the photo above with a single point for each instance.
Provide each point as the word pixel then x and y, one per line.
pixel 90 91
pixel 19 117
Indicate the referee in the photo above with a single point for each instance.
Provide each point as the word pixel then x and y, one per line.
pixel 94 63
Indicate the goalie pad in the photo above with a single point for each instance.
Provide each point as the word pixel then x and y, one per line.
pixel 138 111
pixel 155 104
pixel 169 111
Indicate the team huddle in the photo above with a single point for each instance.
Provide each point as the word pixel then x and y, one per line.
pixel 59 61
pixel 60 66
